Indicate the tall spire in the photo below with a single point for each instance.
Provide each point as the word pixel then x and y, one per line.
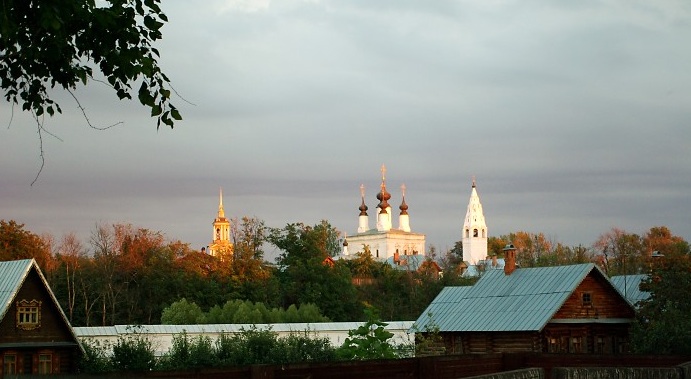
pixel 221 246
pixel 474 230
pixel 221 212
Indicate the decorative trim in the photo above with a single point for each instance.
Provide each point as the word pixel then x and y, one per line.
pixel 28 314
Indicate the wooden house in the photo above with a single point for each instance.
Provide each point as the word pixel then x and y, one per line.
pixel 35 336
pixel 563 309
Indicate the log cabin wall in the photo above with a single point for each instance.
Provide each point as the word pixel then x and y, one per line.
pixel 594 298
pixel 492 342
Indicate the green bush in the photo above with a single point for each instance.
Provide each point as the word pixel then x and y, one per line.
pixel 369 341
pixel 96 358
pixel 187 354
pixel 302 348
pixel 133 353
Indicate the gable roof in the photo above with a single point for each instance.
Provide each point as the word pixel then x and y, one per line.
pixel 12 277
pixel 526 300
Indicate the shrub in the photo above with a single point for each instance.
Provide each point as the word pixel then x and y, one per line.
pixel 133 353
pixel 96 358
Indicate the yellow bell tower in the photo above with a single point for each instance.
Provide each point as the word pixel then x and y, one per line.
pixel 221 247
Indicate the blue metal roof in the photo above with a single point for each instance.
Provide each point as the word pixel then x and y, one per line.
pixel 524 301
pixel 629 287
pixel 12 276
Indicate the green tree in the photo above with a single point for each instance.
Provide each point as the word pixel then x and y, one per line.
pixel 58 44
pixel 308 275
pixel 369 341
pixel 182 312
pixel 662 323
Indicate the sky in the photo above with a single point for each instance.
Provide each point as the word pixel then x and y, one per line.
pixel 573 117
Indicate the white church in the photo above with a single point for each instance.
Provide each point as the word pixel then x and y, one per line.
pixel 384 241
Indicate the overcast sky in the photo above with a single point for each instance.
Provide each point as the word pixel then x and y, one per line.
pixel 574 117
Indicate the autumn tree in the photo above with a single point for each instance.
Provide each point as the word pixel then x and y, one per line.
pixel 18 243
pixel 44 45
pixel 620 253
pixel 661 240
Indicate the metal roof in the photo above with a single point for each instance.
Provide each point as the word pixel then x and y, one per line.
pixel 524 301
pixel 12 277
pixel 629 287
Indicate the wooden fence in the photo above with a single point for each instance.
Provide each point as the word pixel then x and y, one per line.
pixel 439 367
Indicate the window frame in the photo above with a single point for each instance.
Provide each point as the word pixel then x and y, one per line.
pixel 587 299
pixel 9 367
pixel 45 363
pixel 28 314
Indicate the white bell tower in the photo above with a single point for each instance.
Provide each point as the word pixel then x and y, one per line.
pixel 474 230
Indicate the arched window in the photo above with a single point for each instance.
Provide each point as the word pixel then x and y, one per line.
pixel 474 232
pixel 467 233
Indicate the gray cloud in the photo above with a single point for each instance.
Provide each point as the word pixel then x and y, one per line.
pixel 573 117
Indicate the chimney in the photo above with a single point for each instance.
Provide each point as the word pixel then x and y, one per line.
pixel 396 257
pixel 509 259
pixel 494 260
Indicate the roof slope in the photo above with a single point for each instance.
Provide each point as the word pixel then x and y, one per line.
pixel 526 300
pixel 629 286
pixel 12 275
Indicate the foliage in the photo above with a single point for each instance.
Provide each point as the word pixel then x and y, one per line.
pixel 307 275
pixel 620 253
pixel 182 312
pixel 133 353
pixel 369 341
pixel 186 353
pixel 58 44
pixel 18 243
pixel 662 323
pixel 303 348
pixel 236 311
pixel 96 358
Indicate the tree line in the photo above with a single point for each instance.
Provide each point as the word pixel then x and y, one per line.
pixel 128 275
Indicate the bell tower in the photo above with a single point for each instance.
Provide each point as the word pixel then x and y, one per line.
pixel 474 230
pixel 221 245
